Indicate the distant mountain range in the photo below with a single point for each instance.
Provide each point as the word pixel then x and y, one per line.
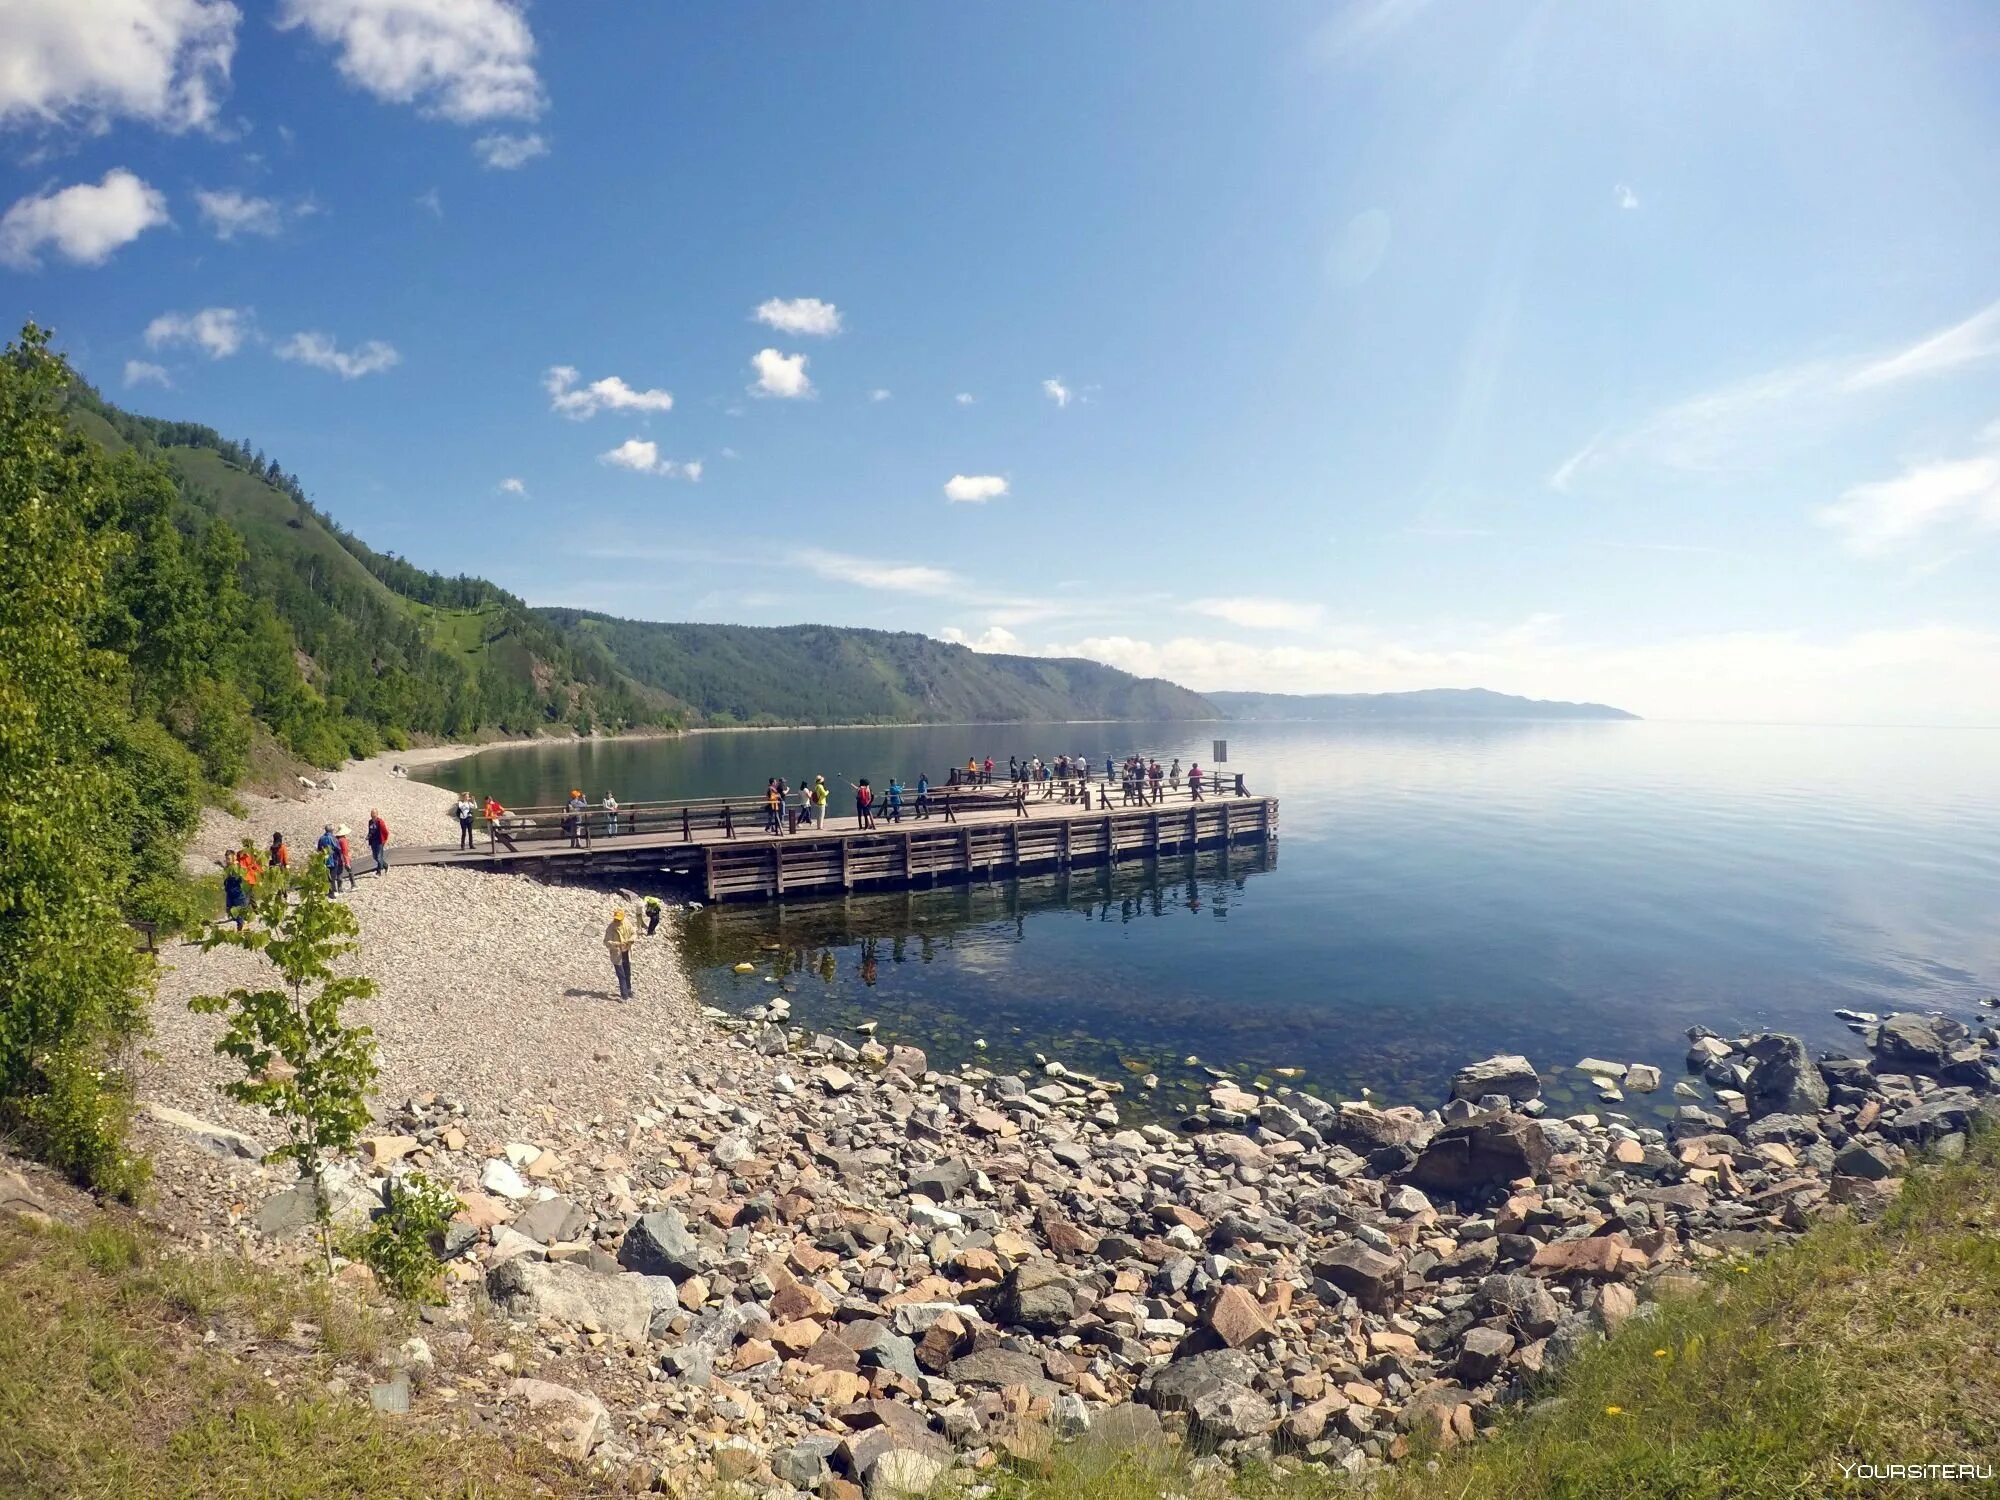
pixel 1425 703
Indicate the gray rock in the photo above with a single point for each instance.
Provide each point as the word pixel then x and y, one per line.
pixel 1509 1074
pixel 904 1472
pixel 660 1245
pixel 1176 1386
pixel 878 1346
pixel 1523 1301
pixel 566 1293
pixel 941 1181
pixel 1230 1413
pixel 392 1396
pixel 217 1140
pixel 1483 1152
pixel 349 1204
pixel 1363 1273
pixel 1001 1367
pixel 1783 1077
pixel 1912 1040
pixel 803 1465
pixel 1036 1295
pixel 1483 1354
pixel 551 1221
pixel 1860 1159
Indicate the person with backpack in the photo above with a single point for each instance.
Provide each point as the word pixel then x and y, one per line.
pixel 280 857
pixel 864 801
pixel 378 840
pixel 235 899
pixel 773 802
pixel 329 849
pixel 340 838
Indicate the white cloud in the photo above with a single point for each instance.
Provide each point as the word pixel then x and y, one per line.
pixel 1057 392
pixel 965 398
pixel 319 351
pixel 140 372
pixel 429 200
pixel 643 457
pixel 513 486
pixel 993 638
pixel 807 315
pixel 1892 513
pixel 82 223
pixel 880 395
pixel 781 375
pixel 974 489
pixel 506 152
pixel 1254 613
pixel 1625 196
pixel 88 62
pixel 1977 338
pixel 463 60
pixel 1920 673
pixel 1752 419
pixel 217 331
pixel 872 573
pixel 229 213
pixel 609 394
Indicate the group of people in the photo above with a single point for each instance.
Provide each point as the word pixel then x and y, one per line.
pixel 243 868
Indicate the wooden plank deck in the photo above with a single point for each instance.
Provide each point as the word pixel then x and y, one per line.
pixel 988 837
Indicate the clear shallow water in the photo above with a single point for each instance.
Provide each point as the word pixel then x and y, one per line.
pixel 1438 892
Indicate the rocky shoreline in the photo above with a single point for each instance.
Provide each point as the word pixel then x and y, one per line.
pixel 725 1246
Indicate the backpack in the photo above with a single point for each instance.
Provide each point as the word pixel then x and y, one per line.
pixel 865 796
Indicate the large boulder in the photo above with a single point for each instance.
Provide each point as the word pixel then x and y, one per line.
pixel 660 1245
pixel 1524 1302
pixel 1036 1295
pixel 1911 1040
pixel 1481 1153
pixel 1365 1274
pixel 1364 1128
pixel 565 1292
pixel 1176 1386
pixel 1509 1074
pixel 1783 1078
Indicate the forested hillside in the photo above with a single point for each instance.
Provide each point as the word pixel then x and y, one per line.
pixel 817 674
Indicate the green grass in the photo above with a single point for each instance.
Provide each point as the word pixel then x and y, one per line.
pixel 1859 1343
pixel 127 1370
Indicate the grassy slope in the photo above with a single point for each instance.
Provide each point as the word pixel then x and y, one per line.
pixel 823 674
pixel 1858 1344
pixel 126 1370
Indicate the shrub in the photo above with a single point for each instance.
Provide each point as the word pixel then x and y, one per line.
pixel 401 1245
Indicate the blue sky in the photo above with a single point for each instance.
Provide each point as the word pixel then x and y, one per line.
pixel 1648 354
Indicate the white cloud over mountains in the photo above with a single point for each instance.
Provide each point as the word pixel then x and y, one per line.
pixel 1252 613
pixel 781 375
pixel 643 457
pixel 461 60
pixel 144 372
pixel 876 573
pixel 217 332
pixel 580 403
pixel 974 489
pixel 802 315
pixel 89 62
pixel 1925 499
pixel 83 223
pixel 322 353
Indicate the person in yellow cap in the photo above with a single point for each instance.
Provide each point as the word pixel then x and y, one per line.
pixel 619 935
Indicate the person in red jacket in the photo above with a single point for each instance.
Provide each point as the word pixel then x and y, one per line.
pixel 378 840
pixel 346 871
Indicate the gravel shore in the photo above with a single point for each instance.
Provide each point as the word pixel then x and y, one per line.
pixel 493 986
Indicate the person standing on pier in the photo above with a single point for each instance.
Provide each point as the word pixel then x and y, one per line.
pixel 610 814
pixel 804 814
pixel 989 769
pixel 1194 781
pixel 773 801
pixel 466 809
pixel 573 813
pixel 895 800
pixel 821 796
pixel 1174 774
pixel 923 795
pixel 618 940
pixel 864 802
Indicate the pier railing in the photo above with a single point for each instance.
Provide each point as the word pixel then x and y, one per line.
pixel 696 819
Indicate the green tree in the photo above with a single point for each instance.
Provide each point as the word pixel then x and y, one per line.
pixel 303 1064
pixel 73 986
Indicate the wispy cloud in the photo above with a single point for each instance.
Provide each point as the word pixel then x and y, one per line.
pixel 504 153
pixel 780 375
pixel 875 573
pixel 881 394
pixel 965 398
pixel 1256 613
pixel 580 403
pixel 431 203
pixel 463 60
pixel 1738 423
pixel 1925 498
pixel 1624 195
pixel 229 213
pixel 512 486
pixel 1057 392
pixel 320 352
pixel 799 315
pixel 140 372
pixel 974 489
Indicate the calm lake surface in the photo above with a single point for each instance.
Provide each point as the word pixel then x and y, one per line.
pixel 1438 892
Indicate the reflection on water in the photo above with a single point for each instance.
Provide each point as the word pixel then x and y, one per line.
pixel 893 957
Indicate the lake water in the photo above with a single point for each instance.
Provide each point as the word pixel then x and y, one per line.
pixel 1438 892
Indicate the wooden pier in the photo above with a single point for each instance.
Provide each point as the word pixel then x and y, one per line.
pixel 722 849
